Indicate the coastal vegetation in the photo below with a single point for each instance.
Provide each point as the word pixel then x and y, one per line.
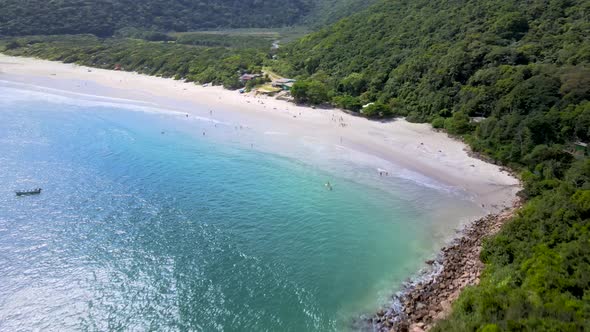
pixel 511 78
pixel 537 271
pixel 216 65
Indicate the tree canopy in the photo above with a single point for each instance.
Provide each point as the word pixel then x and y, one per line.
pixel 104 17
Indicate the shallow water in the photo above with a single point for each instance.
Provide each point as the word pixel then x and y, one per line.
pixel 144 223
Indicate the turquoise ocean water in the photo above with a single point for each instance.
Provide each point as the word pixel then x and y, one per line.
pixel 142 230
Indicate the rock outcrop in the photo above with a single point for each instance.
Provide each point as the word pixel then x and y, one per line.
pixel 423 302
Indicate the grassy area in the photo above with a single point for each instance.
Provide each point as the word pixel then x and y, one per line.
pixel 223 40
pixel 283 35
pixel 268 88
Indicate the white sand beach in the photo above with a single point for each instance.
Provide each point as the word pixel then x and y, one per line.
pixel 414 147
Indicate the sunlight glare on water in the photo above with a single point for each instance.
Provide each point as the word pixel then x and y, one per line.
pixel 139 230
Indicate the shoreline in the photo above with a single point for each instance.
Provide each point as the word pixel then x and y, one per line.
pixel 428 296
pixel 416 148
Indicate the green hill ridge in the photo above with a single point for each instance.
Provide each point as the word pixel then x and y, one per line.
pixel 104 17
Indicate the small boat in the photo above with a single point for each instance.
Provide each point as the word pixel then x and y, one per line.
pixel 28 192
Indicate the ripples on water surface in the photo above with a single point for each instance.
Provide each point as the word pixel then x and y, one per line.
pixel 139 230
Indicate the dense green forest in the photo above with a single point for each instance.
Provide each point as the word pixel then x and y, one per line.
pixel 520 70
pixel 216 65
pixel 537 273
pixel 511 78
pixel 330 11
pixel 104 18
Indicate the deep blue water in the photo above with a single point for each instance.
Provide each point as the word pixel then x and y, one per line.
pixel 146 224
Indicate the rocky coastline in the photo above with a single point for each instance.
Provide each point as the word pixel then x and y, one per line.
pixel 429 297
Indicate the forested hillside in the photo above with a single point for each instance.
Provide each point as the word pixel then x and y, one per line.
pixel 104 17
pixel 330 11
pixel 510 77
